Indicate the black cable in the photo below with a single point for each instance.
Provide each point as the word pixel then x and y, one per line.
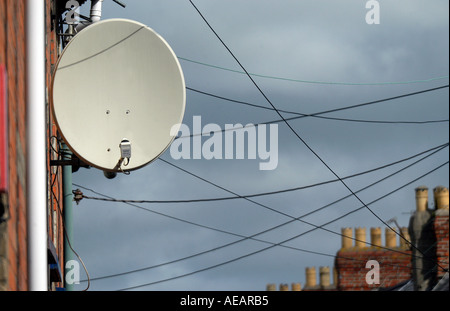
pixel 252 237
pixel 56 175
pixel 256 194
pixel 276 244
pixel 318 115
pixel 297 135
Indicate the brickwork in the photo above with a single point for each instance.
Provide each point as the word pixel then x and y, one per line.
pixel 13 232
pixel 395 261
pixel 12 55
pixel 351 265
pixel 441 231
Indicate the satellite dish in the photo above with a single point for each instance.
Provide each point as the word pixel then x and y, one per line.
pixel 117 90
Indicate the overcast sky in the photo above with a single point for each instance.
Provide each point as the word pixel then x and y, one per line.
pixel 302 40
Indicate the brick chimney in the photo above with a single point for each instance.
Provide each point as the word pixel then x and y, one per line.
pixel 350 262
pixel 441 227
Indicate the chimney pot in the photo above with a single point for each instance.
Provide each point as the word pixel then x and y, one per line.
pixel 391 238
pixel 375 237
pixel 405 233
pixel 296 287
pixel 360 235
pixel 311 280
pixel 347 235
pixel 441 197
pixel 324 277
pixel 421 198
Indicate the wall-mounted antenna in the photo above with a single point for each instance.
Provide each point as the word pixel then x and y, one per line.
pixel 117 91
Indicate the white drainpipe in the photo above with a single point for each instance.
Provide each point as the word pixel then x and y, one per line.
pixel 96 10
pixel 96 15
pixel 36 165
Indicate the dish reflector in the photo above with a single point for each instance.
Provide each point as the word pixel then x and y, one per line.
pixel 118 79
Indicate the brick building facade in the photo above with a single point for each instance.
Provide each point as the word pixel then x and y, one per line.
pixel 13 208
pixel 397 263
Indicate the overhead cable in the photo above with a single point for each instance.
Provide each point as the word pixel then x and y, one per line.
pixel 299 137
pixel 275 244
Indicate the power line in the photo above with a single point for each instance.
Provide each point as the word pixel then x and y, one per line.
pixel 258 194
pixel 315 82
pixel 297 135
pixel 316 115
pixel 252 237
pixel 280 243
pixel 319 114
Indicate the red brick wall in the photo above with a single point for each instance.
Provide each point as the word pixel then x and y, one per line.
pixel 12 54
pixel 13 252
pixel 351 268
pixel 441 231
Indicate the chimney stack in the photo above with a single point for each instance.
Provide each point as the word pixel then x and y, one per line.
pixel 422 236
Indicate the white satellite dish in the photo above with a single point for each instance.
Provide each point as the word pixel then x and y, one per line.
pixel 117 90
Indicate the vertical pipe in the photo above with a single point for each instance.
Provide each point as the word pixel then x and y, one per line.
pixel 36 147
pixel 68 213
pixel 96 10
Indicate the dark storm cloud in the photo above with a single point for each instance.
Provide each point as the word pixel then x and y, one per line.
pixel 306 40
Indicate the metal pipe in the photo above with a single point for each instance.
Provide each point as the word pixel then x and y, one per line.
pixel 95 15
pixel 68 213
pixel 96 10
pixel 36 147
